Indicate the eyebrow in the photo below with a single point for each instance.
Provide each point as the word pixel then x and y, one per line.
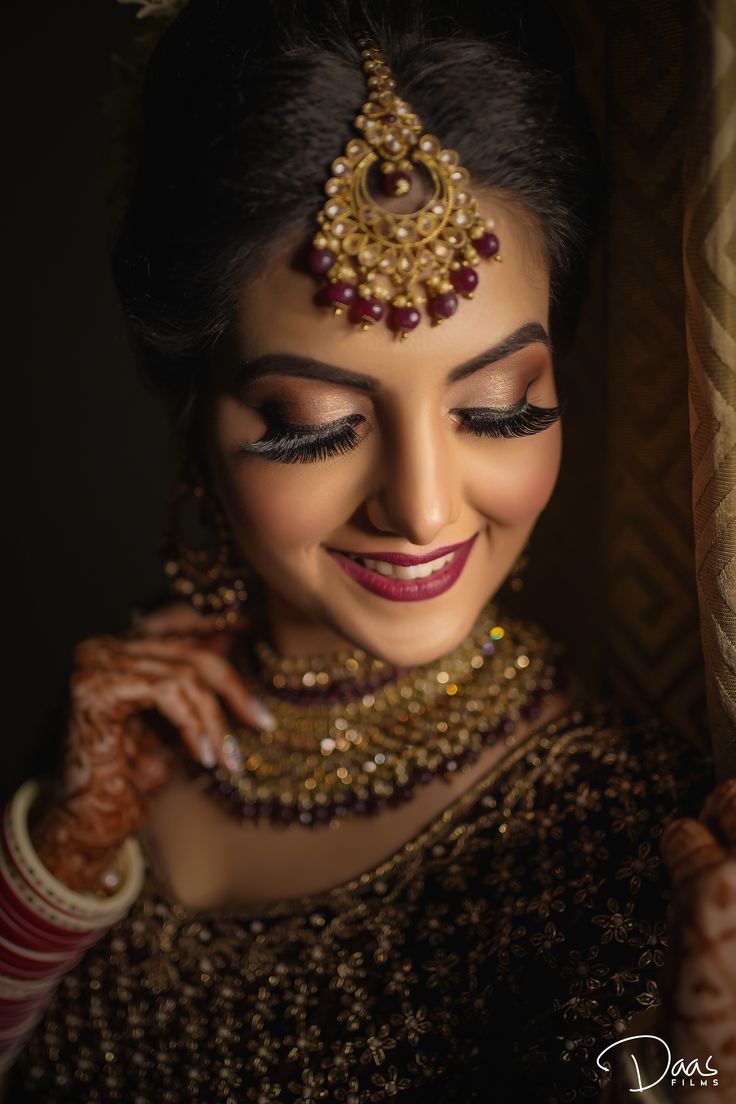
pixel 290 364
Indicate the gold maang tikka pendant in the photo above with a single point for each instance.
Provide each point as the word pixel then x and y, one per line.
pixel 374 259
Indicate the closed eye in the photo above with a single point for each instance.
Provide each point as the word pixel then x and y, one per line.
pixel 520 420
pixel 305 444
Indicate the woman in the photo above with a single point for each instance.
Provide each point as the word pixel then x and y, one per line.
pixel 443 877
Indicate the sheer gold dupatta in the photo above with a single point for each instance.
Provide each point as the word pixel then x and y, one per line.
pixel 709 251
pixel 650 602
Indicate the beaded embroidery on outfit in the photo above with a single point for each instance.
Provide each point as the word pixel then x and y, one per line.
pixel 492 957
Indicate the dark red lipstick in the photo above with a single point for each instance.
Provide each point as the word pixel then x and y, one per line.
pixel 405 590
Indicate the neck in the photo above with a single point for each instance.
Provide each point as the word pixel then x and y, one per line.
pixel 296 636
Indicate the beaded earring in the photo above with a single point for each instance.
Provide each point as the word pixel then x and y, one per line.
pixel 210 576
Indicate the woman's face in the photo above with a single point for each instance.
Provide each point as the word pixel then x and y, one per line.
pixel 360 472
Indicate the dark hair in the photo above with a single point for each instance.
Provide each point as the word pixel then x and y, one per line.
pixel 247 105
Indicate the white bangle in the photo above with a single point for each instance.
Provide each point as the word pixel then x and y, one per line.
pixel 85 910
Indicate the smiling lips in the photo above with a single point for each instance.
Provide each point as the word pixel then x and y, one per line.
pixel 401 577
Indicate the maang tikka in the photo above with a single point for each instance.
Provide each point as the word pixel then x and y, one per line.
pixel 374 259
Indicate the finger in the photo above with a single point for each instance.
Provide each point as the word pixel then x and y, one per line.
pixel 719 812
pixel 222 677
pixel 153 769
pixel 213 719
pixel 103 694
pixel 163 659
pixel 225 746
pixel 198 697
pixel 152 763
pixel 689 849
pixel 92 650
pixel 187 710
pixel 213 669
pixel 121 663
pixel 181 617
pixel 175 617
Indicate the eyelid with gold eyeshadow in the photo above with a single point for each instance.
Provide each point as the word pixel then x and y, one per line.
pixel 291 444
pixel 520 420
pixel 295 444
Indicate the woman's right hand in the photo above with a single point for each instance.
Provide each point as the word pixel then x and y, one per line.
pixel 172 662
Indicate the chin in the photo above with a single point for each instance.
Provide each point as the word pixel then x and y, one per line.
pixel 411 638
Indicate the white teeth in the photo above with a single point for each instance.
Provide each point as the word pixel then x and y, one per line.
pixel 402 571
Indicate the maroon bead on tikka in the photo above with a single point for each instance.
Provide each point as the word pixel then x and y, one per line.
pixel 367 310
pixel 405 318
pixel 320 261
pixel 443 305
pixel 487 244
pixel 342 293
pixel 464 280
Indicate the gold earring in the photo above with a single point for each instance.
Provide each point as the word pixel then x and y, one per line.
pixel 207 575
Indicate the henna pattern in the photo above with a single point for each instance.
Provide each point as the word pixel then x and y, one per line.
pixel 173 663
pixel 699 1002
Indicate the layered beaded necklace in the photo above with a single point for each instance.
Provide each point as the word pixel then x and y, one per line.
pixel 355 735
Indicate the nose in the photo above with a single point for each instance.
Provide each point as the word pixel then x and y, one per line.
pixel 418 495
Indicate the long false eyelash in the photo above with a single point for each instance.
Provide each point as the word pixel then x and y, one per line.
pixel 487 422
pixel 307 444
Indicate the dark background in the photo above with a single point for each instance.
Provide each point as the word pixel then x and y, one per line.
pixel 86 457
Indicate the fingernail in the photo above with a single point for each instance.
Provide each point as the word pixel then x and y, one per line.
pixel 232 756
pixel 206 754
pixel 263 717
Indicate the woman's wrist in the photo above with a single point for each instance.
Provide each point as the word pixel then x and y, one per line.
pixel 45 927
pixel 33 881
pixel 77 865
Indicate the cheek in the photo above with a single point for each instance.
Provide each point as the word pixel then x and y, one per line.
pixel 287 506
pixel 282 512
pixel 515 480
pixel 274 506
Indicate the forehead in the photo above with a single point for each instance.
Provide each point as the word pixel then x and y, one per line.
pixel 277 312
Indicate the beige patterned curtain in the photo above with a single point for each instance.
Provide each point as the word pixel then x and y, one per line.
pixel 709 252
pixel 633 563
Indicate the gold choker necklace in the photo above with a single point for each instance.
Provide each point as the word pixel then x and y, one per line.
pixel 355 735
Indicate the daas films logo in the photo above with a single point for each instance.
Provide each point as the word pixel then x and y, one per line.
pixel 681 1073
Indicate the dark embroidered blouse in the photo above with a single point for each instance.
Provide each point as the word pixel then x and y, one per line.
pixel 491 958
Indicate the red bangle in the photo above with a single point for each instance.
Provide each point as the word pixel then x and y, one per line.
pixel 45 927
